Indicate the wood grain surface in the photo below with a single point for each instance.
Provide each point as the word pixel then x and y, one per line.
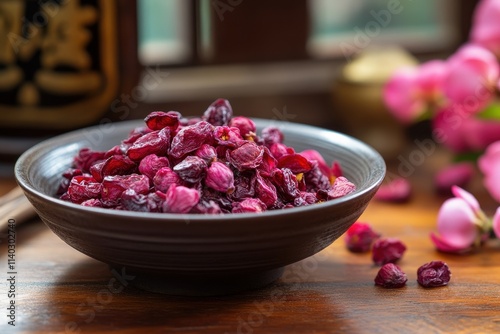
pixel 59 290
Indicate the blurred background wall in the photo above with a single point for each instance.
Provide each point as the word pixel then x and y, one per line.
pixel 65 64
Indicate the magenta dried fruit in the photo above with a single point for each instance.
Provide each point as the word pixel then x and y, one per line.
pixel 386 250
pixel 211 164
pixel 433 274
pixel 156 142
pixel 218 113
pixel 220 177
pixel 190 138
pixel 390 276
pixel 360 237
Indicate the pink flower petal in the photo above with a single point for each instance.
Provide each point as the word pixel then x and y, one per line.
pixel 467 197
pixel 401 95
pixel 472 77
pixel 486 26
pixel 488 160
pixel 456 223
pixel 443 246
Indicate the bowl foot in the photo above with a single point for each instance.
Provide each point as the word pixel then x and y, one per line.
pixel 202 285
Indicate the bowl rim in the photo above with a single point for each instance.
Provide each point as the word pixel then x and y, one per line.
pixel 23 180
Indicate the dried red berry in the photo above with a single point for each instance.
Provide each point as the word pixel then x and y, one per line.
pixel 390 276
pixel 190 138
pixel 286 183
pixel 86 158
pixel 265 191
pixel 433 274
pixel 245 125
pixel 213 164
pixel 82 188
pixel 164 178
pixel 218 113
pixel 180 199
pixel 295 162
pixel 341 187
pixel 151 164
pixel 114 186
pixel 386 250
pixel 156 142
pixel 249 205
pixel 158 120
pixel 360 237
pixel 226 136
pixel 247 156
pixel 192 169
pixel 271 135
pixel 220 177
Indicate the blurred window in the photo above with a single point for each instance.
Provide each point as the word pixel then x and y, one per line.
pixel 190 32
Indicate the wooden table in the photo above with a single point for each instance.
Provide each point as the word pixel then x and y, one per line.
pixel 60 290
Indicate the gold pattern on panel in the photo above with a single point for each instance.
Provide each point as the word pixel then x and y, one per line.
pixel 60 40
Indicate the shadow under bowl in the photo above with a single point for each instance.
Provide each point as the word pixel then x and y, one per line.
pixel 190 254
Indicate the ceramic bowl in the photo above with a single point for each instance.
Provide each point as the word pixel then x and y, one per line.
pixel 189 254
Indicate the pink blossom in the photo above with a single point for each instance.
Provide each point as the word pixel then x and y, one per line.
pixel 459 222
pixel 461 132
pixel 412 90
pixel 472 78
pixel 486 25
pixel 489 164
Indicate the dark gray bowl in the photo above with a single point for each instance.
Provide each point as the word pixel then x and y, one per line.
pixel 198 254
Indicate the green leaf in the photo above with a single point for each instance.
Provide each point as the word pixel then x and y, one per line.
pixel 467 156
pixel 491 112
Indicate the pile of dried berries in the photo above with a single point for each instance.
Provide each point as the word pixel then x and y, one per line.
pixel 212 164
pixel 360 237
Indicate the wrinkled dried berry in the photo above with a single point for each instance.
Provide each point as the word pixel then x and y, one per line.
pixel 190 138
pixel 250 205
pixel 390 276
pixel 82 188
pixel 386 250
pixel 158 120
pixel 295 162
pixel 286 183
pixel 227 136
pixel 192 169
pixel 220 177
pixel 433 274
pixel 245 125
pixel 218 113
pixel 86 158
pixel 360 237
pixel 164 178
pixel 271 135
pixel 114 186
pixel 156 142
pixel 212 164
pixel 247 156
pixel 180 199
pixel 151 164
